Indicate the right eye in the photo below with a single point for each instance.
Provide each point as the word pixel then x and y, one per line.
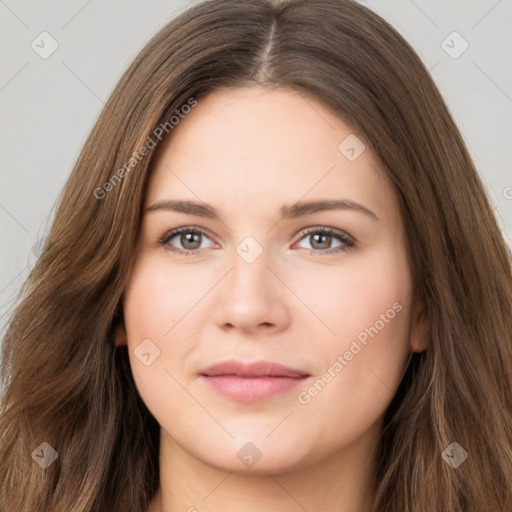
pixel 188 238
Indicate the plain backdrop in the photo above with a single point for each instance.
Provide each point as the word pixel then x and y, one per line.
pixel 48 105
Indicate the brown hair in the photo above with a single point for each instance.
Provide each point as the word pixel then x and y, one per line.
pixel 67 384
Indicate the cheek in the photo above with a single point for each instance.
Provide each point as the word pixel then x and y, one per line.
pixel 160 299
pixel 358 378
pixel 366 304
pixel 155 304
pixel 358 293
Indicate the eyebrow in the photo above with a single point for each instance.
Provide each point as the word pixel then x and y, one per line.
pixel 299 209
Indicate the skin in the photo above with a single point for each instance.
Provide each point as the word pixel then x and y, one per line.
pixel 247 152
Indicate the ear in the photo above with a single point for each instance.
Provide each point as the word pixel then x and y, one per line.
pixel 120 337
pixel 420 334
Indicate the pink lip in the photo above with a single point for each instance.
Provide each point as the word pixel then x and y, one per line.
pixel 251 382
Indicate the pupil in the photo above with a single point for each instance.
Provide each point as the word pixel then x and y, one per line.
pixel 318 236
pixel 193 238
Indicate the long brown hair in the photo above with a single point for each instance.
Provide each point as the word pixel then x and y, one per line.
pixel 68 385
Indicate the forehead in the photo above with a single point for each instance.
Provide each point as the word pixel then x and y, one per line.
pixel 255 146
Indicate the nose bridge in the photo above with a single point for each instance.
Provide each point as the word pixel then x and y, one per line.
pixel 250 296
pixel 249 263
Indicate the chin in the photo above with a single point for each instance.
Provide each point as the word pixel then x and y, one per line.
pixel 257 457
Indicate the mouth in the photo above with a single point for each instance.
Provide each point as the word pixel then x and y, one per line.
pixel 251 382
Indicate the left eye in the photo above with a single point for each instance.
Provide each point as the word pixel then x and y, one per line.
pixel 322 240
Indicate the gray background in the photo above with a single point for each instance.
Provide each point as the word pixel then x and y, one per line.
pixel 48 106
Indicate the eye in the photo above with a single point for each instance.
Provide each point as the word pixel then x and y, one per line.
pixel 189 239
pixel 324 240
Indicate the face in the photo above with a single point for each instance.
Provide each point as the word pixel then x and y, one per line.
pixel 268 238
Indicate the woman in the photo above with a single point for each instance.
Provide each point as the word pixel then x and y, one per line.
pixel 274 282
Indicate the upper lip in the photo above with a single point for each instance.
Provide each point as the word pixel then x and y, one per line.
pixel 257 369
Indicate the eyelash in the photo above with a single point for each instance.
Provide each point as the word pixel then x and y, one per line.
pixel 343 237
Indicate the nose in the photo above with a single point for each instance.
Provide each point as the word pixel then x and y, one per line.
pixel 251 298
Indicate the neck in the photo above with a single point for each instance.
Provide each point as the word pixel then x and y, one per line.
pixel 344 482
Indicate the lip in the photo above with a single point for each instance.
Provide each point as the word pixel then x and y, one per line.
pixel 251 382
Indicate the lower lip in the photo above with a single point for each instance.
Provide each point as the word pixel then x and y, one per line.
pixel 252 389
